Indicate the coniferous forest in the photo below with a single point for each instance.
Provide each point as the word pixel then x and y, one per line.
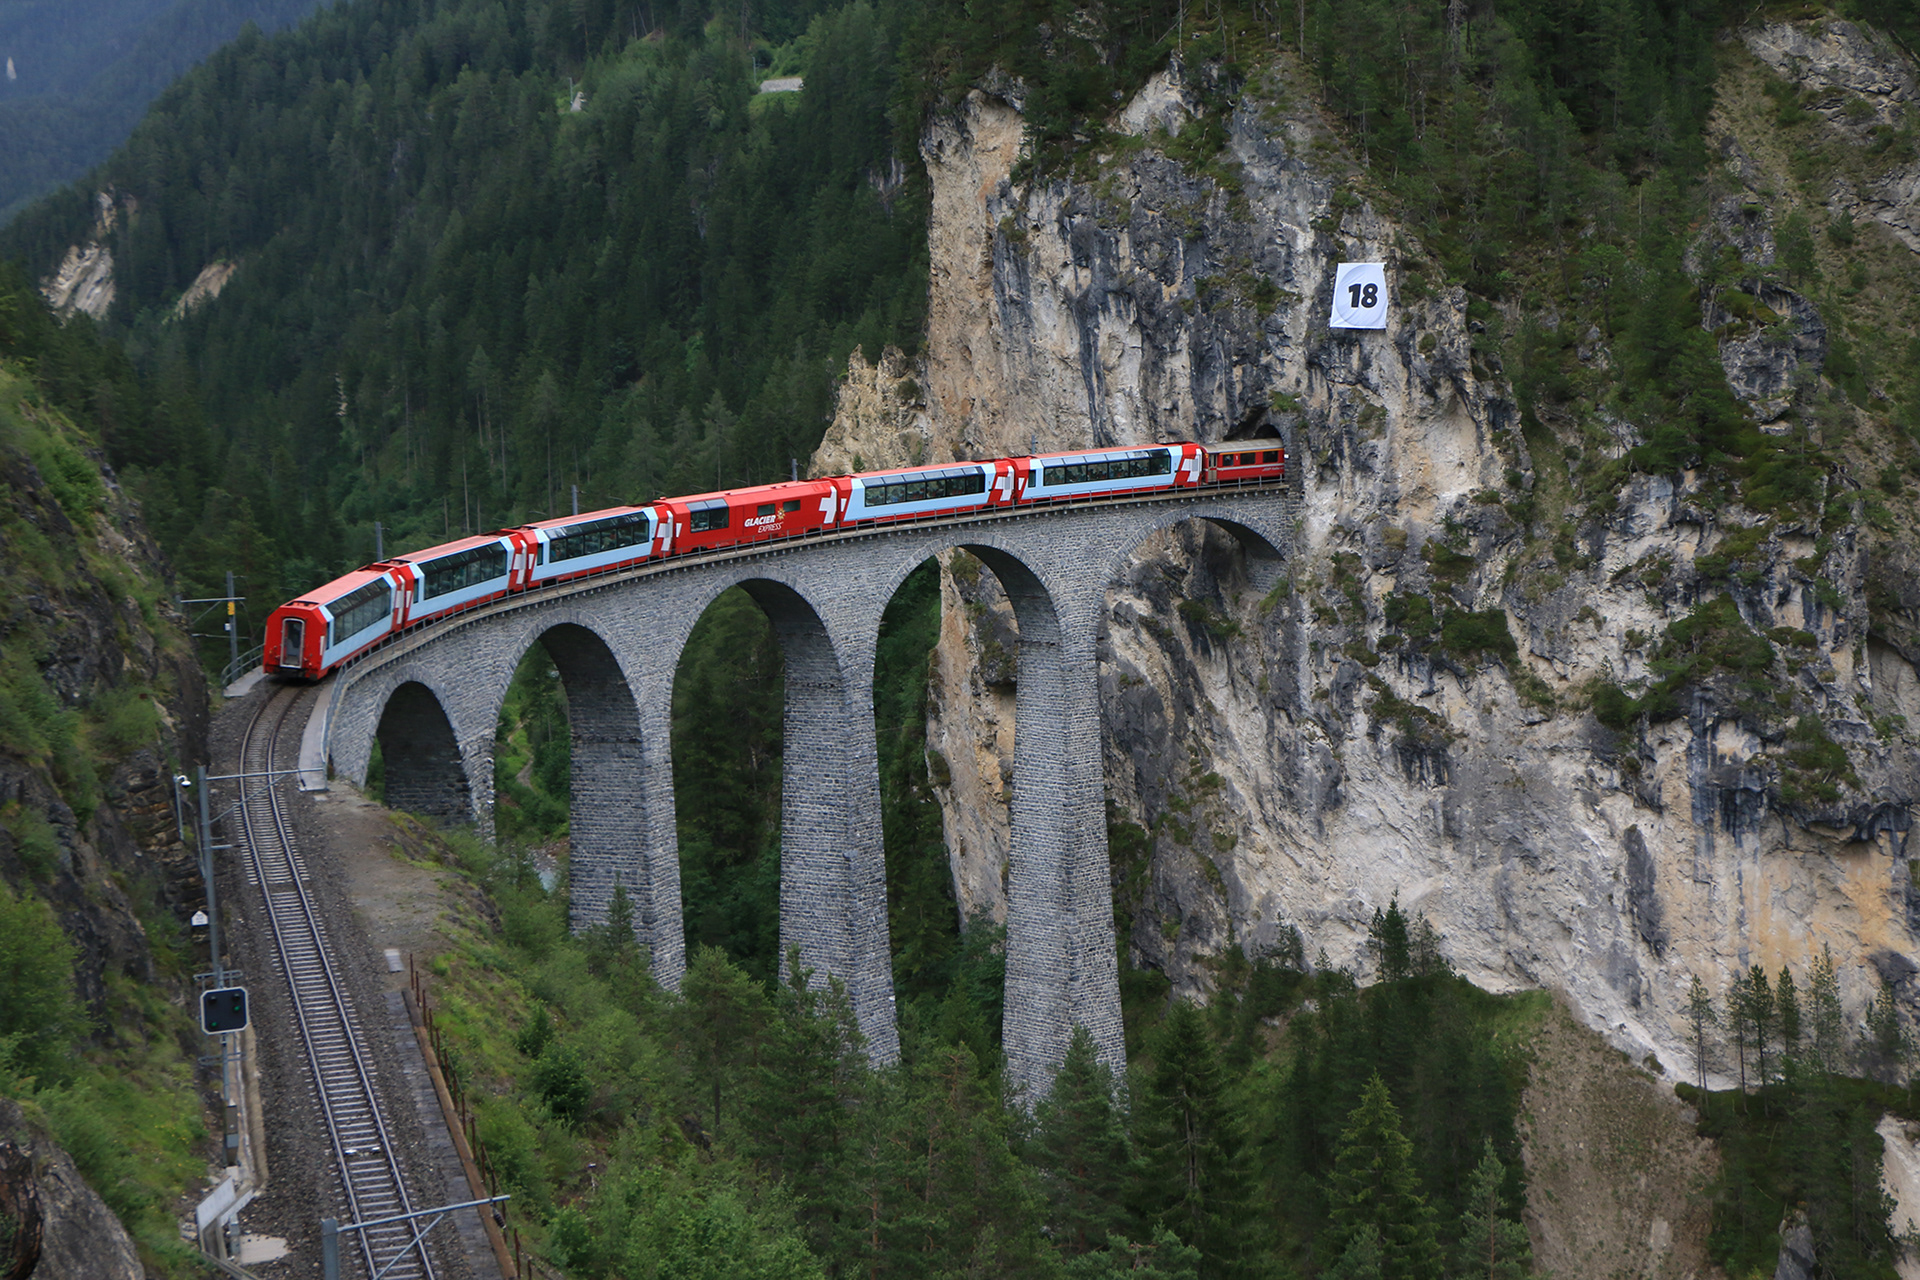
pixel 493 258
pixel 83 71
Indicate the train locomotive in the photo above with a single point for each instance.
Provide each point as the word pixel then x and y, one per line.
pixel 309 637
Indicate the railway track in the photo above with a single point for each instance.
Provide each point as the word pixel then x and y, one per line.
pixel 363 1150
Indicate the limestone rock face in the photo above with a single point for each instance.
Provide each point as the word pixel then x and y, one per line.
pixel 80 1239
pixel 1295 759
pixel 84 279
pixel 1860 82
pixel 879 419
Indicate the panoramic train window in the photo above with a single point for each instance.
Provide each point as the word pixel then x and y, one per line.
pixel 462 569
pixel 705 516
pixel 1135 466
pixel 926 486
pixel 359 609
pixel 597 536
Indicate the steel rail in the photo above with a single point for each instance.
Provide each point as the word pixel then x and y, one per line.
pixel 329 1030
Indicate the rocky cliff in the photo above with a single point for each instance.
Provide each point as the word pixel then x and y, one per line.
pixel 102 696
pixel 101 701
pixel 1449 700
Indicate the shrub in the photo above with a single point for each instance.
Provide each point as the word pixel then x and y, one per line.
pixel 1614 707
pixel 560 1078
pixel 1410 613
pixel 123 720
pixel 1469 635
pixel 39 1014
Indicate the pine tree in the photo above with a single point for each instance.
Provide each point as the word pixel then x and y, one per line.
pixel 1888 1046
pixel 1390 942
pixel 1374 1184
pixel 1827 1020
pixel 1080 1150
pixel 1760 1013
pixel 1491 1245
pixel 1362 1259
pixel 1164 1259
pixel 1190 1143
pixel 722 1016
pixel 1700 1016
pixel 809 1084
pixel 1786 998
pixel 1738 1005
pixel 1427 960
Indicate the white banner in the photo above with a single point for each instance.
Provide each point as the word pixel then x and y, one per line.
pixel 1360 295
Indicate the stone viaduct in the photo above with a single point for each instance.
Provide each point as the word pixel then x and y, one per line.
pixel 432 701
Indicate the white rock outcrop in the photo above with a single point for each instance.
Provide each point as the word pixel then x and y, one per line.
pixel 1293 761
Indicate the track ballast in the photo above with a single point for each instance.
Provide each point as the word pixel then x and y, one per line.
pixel 329 1031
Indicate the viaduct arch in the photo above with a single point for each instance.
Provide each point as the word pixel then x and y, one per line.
pixel 432 700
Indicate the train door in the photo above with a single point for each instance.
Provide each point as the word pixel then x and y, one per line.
pixel 293 639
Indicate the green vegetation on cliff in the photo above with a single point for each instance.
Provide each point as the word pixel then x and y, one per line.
pixel 99 700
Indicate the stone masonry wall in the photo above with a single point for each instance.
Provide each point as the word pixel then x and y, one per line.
pixel 617 642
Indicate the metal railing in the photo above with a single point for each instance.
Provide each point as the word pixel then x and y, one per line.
pixel 242 664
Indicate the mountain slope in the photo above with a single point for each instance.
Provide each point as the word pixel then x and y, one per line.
pixel 100 704
pixel 82 73
pixel 454 296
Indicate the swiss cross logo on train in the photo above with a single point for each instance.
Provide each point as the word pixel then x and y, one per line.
pixel 1359 296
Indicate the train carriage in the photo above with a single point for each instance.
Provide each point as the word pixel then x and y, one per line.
pixel 1057 476
pixel 1245 462
pixel 730 517
pixel 308 637
pixel 453 576
pixel 550 551
pixel 926 491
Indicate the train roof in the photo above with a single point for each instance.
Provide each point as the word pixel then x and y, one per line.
pixel 924 469
pixel 565 522
pixel 343 584
pixel 1111 451
pixel 446 548
pixel 754 492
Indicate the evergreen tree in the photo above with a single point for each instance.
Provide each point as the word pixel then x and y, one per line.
pixel 1827 1023
pixel 980 1206
pixel 1888 1046
pixel 1700 1016
pixel 1739 1006
pixel 1760 1014
pixel 1390 943
pixel 1786 998
pixel 1164 1259
pixel 1491 1245
pixel 810 1081
pixel 1427 960
pixel 1374 1185
pixel 1079 1148
pixel 722 1016
pixel 1364 1257
pixel 1192 1182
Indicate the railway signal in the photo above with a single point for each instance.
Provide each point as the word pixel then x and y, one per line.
pixel 223 1009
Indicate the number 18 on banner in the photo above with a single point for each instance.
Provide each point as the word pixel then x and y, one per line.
pixel 1360 296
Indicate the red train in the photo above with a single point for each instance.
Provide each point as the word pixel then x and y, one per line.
pixel 307 638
